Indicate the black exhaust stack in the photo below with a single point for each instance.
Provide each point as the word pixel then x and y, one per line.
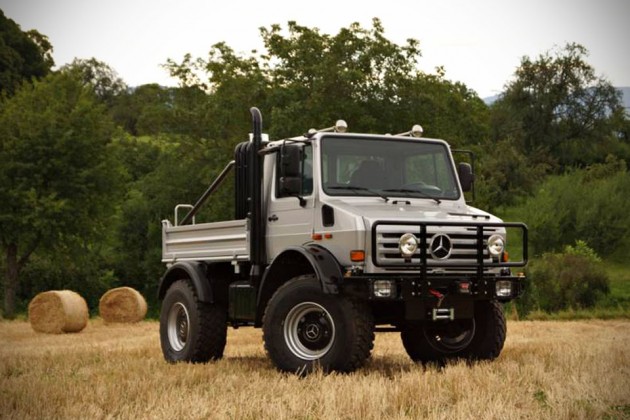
pixel 256 216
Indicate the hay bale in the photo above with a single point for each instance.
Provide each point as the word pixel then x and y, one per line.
pixel 122 304
pixel 57 312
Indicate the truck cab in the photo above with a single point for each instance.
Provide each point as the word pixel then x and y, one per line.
pixel 336 236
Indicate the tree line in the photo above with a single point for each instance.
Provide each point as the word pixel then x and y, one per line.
pixel 90 166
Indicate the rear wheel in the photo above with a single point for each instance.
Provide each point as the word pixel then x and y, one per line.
pixel 191 330
pixel 303 328
pixel 479 338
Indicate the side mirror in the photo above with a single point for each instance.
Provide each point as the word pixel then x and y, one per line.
pixel 290 185
pixel 290 181
pixel 466 176
pixel 291 156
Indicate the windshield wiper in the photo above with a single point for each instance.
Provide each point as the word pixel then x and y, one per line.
pixel 355 188
pixel 437 200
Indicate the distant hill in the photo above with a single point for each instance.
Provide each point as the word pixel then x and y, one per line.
pixel 625 92
pixel 490 99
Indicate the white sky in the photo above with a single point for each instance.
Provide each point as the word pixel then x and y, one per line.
pixel 480 43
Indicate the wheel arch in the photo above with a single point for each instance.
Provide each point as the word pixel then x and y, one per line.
pixel 296 261
pixel 195 271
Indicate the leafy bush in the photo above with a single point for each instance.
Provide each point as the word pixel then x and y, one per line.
pixel 574 279
pixel 589 204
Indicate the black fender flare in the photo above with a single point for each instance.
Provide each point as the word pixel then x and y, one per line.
pixel 195 271
pixel 322 263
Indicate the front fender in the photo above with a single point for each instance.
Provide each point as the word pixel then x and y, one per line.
pixel 325 266
pixel 295 261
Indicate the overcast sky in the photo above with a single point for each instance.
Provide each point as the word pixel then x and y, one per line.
pixel 480 43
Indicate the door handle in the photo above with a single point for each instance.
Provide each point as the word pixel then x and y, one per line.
pixel 272 218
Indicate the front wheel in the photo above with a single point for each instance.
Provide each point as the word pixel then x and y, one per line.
pixel 303 328
pixel 190 330
pixel 479 338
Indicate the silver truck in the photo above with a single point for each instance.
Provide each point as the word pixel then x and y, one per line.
pixel 336 236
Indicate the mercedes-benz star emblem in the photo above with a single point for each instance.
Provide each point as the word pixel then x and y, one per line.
pixel 312 332
pixel 440 246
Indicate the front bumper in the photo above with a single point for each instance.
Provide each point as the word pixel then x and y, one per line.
pixel 432 297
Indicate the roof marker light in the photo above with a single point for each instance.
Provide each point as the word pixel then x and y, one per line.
pixel 416 131
pixel 340 127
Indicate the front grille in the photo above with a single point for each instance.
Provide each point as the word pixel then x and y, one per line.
pixel 463 239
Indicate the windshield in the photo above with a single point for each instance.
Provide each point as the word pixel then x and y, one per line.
pixel 387 167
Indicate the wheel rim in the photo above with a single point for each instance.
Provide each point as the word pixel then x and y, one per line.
pixel 178 326
pixel 309 331
pixel 451 337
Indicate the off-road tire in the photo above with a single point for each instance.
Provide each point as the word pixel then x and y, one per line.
pixel 349 322
pixel 205 328
pixel 486 343
pixel 417 343
pixel 491 331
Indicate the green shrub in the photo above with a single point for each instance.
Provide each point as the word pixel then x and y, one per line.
pixel 574 279
pixel 589 204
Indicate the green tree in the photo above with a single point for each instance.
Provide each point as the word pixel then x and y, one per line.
pixel 103 80
pixel 23 55
pixel 506 175
pixel 306 79
pixel 57 177
pixel 557 105
pixel 146 110
pixel 360 75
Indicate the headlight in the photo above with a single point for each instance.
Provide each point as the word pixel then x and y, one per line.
pixel 408 244
pixel 496 245
pixel 503 288
pixel 384 288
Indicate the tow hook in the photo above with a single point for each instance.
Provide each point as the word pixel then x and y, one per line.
pixel 438 295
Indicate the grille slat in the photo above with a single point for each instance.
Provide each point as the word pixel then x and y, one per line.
pixel 464 246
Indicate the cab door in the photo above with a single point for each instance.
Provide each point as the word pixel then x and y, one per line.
pixel 290 217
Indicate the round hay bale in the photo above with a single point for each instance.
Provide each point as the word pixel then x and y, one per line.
pixel 122 304
pixel 57 312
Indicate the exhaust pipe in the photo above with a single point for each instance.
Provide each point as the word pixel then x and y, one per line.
pixel 256 218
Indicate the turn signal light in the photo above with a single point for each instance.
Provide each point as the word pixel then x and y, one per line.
pixel 357 256
pixel 506 256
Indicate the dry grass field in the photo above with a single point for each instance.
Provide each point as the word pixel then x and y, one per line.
pixel 563 370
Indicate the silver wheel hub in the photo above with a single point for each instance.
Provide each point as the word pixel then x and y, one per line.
pixel 309 331
pixel 178 326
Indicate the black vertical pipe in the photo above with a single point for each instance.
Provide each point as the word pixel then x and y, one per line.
pixel 257 232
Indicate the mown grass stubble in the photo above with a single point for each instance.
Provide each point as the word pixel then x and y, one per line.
pixel 575 369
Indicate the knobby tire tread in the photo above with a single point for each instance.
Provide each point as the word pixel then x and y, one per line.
pixel 359 312
pixel 212 330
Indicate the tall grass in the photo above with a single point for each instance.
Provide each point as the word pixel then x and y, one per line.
pixel 547 370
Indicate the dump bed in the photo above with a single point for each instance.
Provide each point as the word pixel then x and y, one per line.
pixel 218 241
